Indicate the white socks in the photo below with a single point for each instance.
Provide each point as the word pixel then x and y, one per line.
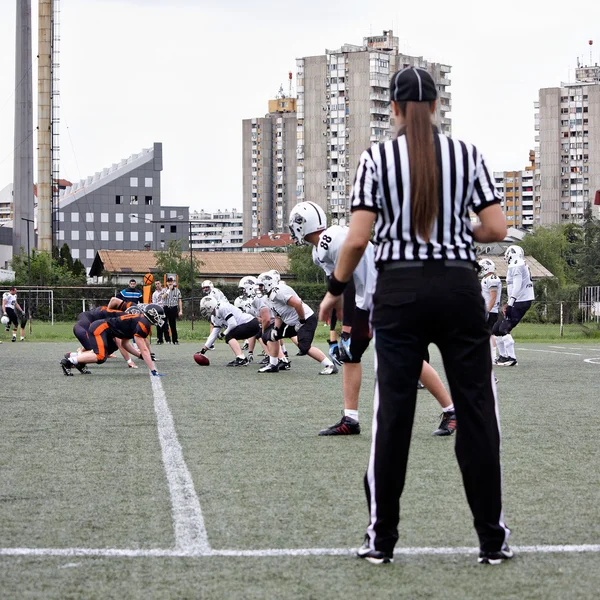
pixel 351 414
pixel 509 344
pixel 273 360
pixel 326 362
pixel 500 344
pixel 449 408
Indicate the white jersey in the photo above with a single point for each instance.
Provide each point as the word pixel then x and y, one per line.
pixel 518 282
pixel 9 300
pixel 490 284
pixel 218 295
pixel 278 302
pixel 226 318
pixel 325 255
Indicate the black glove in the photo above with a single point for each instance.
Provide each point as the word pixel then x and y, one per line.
pixel 508 311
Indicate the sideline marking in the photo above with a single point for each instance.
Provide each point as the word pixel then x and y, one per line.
pixel 549 351
pixel 274 552
pixel 592 361
pixel 188 522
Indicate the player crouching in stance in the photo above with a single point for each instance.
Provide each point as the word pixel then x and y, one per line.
pixel 104 333
pixel 230 323
pixel 520 296
pixel 293 319
pixel 308 224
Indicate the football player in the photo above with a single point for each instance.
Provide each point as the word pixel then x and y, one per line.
pixel 104 333
pixel 293 319
pixel 520 296
pixel 10 306
pixel 491 290
pixel 308 224
pixel 229 323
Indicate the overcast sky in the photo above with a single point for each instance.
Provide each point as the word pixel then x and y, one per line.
pixel 186 72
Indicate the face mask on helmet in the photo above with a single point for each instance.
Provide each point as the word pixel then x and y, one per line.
pixel 305 218
pixel 487 266
pixel 155 314
pixel 267 281
pixel 513 253
pixel 207 306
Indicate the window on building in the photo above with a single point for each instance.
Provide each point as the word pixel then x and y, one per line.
pixel 173 214
pixel 133 200
pixel 118 217
pixel 148 200
pixel 173 228
pixel 134 236
pixel 148 182
pixel 75 253
pixel 89 217
pixel 162 228
pixel 133 181
pixel 148 236
pixel 104 236
pixel 89 236
pixel 104 217
pixel 119 236
pixel 74 235
pixel 74 217
pixel 118 199
pixel 90 253
pixel 61 235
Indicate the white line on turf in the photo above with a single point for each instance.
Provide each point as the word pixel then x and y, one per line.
pixel 275 552
pixel 548 351
pixel 188 522
pixel 592 361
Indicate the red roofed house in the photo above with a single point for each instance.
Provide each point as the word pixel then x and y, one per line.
pixel 269 242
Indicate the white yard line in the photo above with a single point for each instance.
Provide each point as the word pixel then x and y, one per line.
pixel 188 522
pixel 275 552
pixel 548 351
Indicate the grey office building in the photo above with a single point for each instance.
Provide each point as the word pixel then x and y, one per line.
pixel 343 107
pixel 120 209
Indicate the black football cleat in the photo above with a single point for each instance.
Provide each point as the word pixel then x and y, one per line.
pixel 269 369
pixel 238 362
pixel 82 369
pixel 285 365
pixel 447 424
pixel 375 557
pixel 495 558
pixel 345 426
pixel 66 366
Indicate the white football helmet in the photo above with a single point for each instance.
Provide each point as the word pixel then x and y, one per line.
pixel 207 287
pixel 305 218
pixel 5 320
pixel 267 281
pixel 136 309
pixel 154 313
pixel 258 290
pixel 275 274
pixel 246 286
pixel 513 253
pixel 487 266
pixel 208 305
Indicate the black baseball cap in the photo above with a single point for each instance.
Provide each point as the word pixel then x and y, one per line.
pixel 170 278
pixel 412 84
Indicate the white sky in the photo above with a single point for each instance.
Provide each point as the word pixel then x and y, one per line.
pixel 186 72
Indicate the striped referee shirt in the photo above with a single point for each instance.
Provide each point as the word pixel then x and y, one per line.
pixel 172 297
pixel 382 185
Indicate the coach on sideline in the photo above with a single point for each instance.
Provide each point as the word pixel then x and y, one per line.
pixel 418 190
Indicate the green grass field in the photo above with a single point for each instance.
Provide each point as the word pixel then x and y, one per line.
pixel 212 483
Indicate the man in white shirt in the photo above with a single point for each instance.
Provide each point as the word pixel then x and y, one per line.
pixel 158 297
pixel 9 308
pixel 293 319
pixel 491 290
pixel 230 323
pixel 520 297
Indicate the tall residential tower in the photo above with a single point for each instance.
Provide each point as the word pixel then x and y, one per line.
pixel 343 107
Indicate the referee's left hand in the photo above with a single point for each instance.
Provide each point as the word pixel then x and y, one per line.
pixel 328 303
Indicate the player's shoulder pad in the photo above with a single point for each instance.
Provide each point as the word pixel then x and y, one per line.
pixel 493 279
pixel 519 262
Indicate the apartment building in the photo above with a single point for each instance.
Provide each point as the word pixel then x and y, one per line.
pixel 343 107
pixel 220 231
pixel 568 153
pixel 269 168
pixel 520 206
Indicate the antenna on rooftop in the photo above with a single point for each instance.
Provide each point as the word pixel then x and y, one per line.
pixel 591 43
pixel 290 78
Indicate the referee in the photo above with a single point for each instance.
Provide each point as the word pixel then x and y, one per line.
pixel 173 308
pixel 417 190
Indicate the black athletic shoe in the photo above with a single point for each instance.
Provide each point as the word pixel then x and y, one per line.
pixel 420 386
pixel 345 426
pixel 269 369
pixel 264 361
pixel 447 424
pixel 82 369
pixel 375 557
pixel 246 345
pixel 495 558
pixel 507 362
pixel 66 366
pixel 159 342
pixel 501 359
pixel 285 365
pixel 238 362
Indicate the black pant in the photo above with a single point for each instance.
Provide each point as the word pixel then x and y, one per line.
pixel 163 332
pixel 171 313
pixel 505 326
pixel 412 308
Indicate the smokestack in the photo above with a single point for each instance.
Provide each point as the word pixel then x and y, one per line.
pixel 23 158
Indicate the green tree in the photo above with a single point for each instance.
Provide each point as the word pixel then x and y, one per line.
pixel 548 245
pixel 45 271
pixel 173 260
pixel 302 265
pixel 64 257
pixel 588 252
